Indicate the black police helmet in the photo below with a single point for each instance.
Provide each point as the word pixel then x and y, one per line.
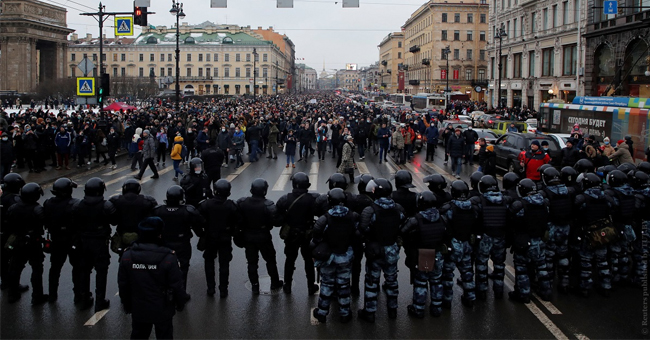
pixel 526 187
pixel 645 167
pixel 300 180
pixel 13 182
pixel 510 180
pixel 435 182
pixel 363 182
pixel 626 167
pixel 616 178
pixel 196 165
pixel 63 187
pixel 543 167
pixel 459 190
pixel 222 188
pixel 475 178
pixel 588 181
pixel 488 184
pixel 31 192
pixel 427 200
pixel 380 187
pixel 606 169
pixel 150 229
pixel 584 165
pixel 550 176
pixel 337 180
pixel 259 187
pixel 336 197
pixel 131 186
pixel 175 195
pixel 404 179
pixel 95 187
pixel 568 175
pixel 639 180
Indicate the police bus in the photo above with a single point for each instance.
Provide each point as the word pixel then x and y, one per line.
pixel 429 101
pixel 613 117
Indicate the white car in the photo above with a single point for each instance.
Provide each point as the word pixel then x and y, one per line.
pixel 561 138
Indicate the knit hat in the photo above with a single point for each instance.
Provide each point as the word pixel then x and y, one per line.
pixel 535 142
pixel 606 139
pixel 151 224
pixel 232 126
pixel 620 141
pixel 147 132
pixel 544 142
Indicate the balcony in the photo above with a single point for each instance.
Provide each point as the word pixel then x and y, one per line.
pixel 480 82
pixel 414 49
pixel 414 82
pixel 202 78
pixel 426 62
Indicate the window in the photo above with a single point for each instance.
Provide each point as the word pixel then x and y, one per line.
pixel 468 74
pixel 114 56
pixel 162 57
pixel 200 56
pixel 456 35
pixel 200 72
pixel 237 72
pixel 443 55
pixel 533 26
pixel 504 66
pixel 444 35
pixel 576 10
pixel 548 62
pixel 226 57
pixel 482 18
pixel 248 57
pixel 141 72
pixel 265 57
pixel 545 19
pixel 248 72
pixel 162 71
pixel 189 57
pixel 481 36
pixel 569 62
pixel 565 12
pixel 503 4
pixel 237 57
pixel 516 72
pixel 265 72
pixel 207 71
pixel 152 57
pixel 216 57
pixel 141 57
pixel 444 17
pixel 456 54
pixel 123 57
pixel 514 28
pixel 216 72
pixel 104 57
pixel 152 73
pixel 169 71
pixel 399 44
pixel 470 18
pixel 399 55
pixel 554 15
pixel 470 54
pixel 114 71
pixel 257 57
pixel 169 57
pixel 457 17
pixel 531 64
pixel 73 57
pixel 508 29
pixel 470 35
pixel 123 72
pixel 257 71
pixel 207 58
pixel 521 26
pixel 481 55
pixel 481 74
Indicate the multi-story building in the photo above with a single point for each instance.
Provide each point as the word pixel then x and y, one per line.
pixel 460 26
pixel 348 79
pixel 617 54
pixel 370 77
pixel 540 54
pixel 306 79
pixel 391 59
pixel 214 59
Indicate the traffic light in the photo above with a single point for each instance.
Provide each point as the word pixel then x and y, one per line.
pixel 105 84
pixel 140 16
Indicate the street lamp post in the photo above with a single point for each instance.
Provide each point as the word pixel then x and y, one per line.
pixel 501 33
pixel 447 51
pixel 177 11
pixel 254 71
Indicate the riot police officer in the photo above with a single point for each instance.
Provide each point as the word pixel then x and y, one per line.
pixel 530 225
pixel 221 219
pixel 474 179
pixel 94 216
pixel 180 219
pixel 641 186
pixel 491 237
pixel 361 201
pixel 560 200
pixel 64 234
pixel 380 224
pixel 510 181
pixel 461 216
pixel 151 282
pixel 402 195
pixel 337 229
pixel 583 166
pixel 12 183
pixel 437 185
pixel 26 220
pixel 259 216
pixel 297 210
pixel 337 180
pixel 131 208
pixel 428 230
pixel 196 184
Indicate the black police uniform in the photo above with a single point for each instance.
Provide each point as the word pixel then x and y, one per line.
pixel 8 199
pixel 407 199
pixel 212 159
pixel 26 223
pixel 221 219
pixel 297 210
pixel 131 209
pixel 94 216
pixel 197 187
pixel 151 288
pixel 180 220
pixel 65 241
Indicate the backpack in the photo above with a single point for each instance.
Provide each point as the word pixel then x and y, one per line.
pixel 184 151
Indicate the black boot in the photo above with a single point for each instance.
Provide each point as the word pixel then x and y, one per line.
pixel 366 316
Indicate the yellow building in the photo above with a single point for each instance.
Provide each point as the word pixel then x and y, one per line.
pixel 462 26
pixel 214 59
pixel 391 59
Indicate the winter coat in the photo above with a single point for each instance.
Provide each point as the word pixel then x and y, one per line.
pixel 290 145
pixel 398 140
pixel 489 167
pixel 470 136
pixel 383 135
pixel 432 134
pixel 622 155
pixel 113 142
pixel 149 148
pixel 347 157
pixel 223 141
pixel 608 150
pixel 456 146
pixel 274 132
pixel 7 155
pixel 238 140
pixel 570 156
pixel 532 162
pixel 63 142
pixel 177 149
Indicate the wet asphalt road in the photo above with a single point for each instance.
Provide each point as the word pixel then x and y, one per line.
pixel 277 315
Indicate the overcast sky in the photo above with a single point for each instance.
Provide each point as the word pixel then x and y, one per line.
pixel 322 30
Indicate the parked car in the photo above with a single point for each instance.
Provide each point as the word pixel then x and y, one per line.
pixel 489 135
pixel 487 119
pixel 508 147
pixel 501 127
pixel 561 138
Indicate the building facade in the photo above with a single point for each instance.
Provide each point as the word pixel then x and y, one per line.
pixel 462 27
pixel 349 80
pixel 306 79
pixel 391 60
pixel 370 77
pixel 541 54
pixel 214 59
pixel 617 55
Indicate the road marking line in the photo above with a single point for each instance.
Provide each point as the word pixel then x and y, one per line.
pixel 115 180
pixel 161 172
pixel 441 171
pixel 237 172
pixel 363 168
pixel 117 171
pixel 393 169
pixel 547 304
pixel 419 176
pixel 313 176
pixel 96 317
pixel 581 336
pixel 314 167
pixel 282 182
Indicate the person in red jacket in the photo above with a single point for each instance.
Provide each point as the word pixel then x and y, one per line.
pixel 532 159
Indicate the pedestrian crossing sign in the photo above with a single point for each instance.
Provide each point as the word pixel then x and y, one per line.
pixel 123 26
pixel 85 86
